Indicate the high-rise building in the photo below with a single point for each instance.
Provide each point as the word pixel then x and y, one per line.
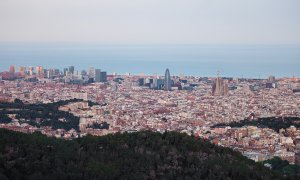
pixel 83 72
pixel 92 72
pixel 148 81
pixel 158 83
pixel 65 71
pixel 12 69
pixel 103 76
pixel 50 73
pixel 271 79
pixel 141 81
pixel 220 88
pixel 56 72
pixel 22 70
pixel 167 82
pixel 97 75
pixel 31 70
pixel 40 71
pixel 45 73
pixel 71 69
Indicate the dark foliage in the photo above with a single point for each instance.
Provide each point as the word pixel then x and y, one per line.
pixel 141 155
pixel 274 123
pixel 283 167
pixel 18 101
pixel 103 125
pixel 4 119
pixel 92 103
pixel 42 114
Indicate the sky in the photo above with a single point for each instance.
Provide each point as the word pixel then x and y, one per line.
pixel 151 21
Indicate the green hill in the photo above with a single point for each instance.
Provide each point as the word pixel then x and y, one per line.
pixel 275 123
pixel 141 155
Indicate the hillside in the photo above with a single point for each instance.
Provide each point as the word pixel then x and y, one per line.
pixel 275 123
pixel 40 115
pixel 141 155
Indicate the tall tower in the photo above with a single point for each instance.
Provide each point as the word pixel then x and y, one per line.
pixel 103 76
pixel 71 69
pixel 220 88
pixel 92 72
pixel 40 71
pixel 12 69
pixel 167 83
pixel 66 71
pixel 31 70
pixel 271 79
pixel 97 75
pixel 22 70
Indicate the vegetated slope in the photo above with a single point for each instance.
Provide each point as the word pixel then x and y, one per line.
pixel 274 123
pixel 141 155
pixel 48 114
pixel 283 167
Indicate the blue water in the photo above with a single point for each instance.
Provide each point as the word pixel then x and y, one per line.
pixel 254 61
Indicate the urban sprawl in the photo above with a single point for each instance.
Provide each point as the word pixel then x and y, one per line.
pixel 189 104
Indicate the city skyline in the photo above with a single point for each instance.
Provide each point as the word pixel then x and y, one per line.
pixel 249 39
pixel 97 73
pixel 251 61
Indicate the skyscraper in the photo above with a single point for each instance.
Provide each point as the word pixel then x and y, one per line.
pixel 50 73
pixel 71 69
pixel 40 71
pixel 31 70
pixel 56 72
pixel 158 83
pixel 141 81
pixel 12 69
pixel 22 70
pixel 65 71
pixel 271 79
pixel 92 72
pixel 83 72
pixel 103 76
pixel 97 75
pixel 167 83
pixel 220 88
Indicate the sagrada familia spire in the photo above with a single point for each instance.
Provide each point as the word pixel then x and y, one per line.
pixel 220 87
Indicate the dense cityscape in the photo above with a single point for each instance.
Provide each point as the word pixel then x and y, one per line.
pixel 199 106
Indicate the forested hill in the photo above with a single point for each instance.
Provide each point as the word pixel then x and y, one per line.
pixel 275 123
pixel 141 155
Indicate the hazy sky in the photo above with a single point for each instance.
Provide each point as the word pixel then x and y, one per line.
pixel 151 21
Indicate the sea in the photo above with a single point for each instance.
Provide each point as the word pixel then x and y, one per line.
pixel 203 60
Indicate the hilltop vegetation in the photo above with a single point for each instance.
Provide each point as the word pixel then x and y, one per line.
pixel 141 155
pixel 274 123
pixel 41 114
pixel 283 167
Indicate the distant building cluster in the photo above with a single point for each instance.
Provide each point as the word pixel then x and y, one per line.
pixel 68 75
